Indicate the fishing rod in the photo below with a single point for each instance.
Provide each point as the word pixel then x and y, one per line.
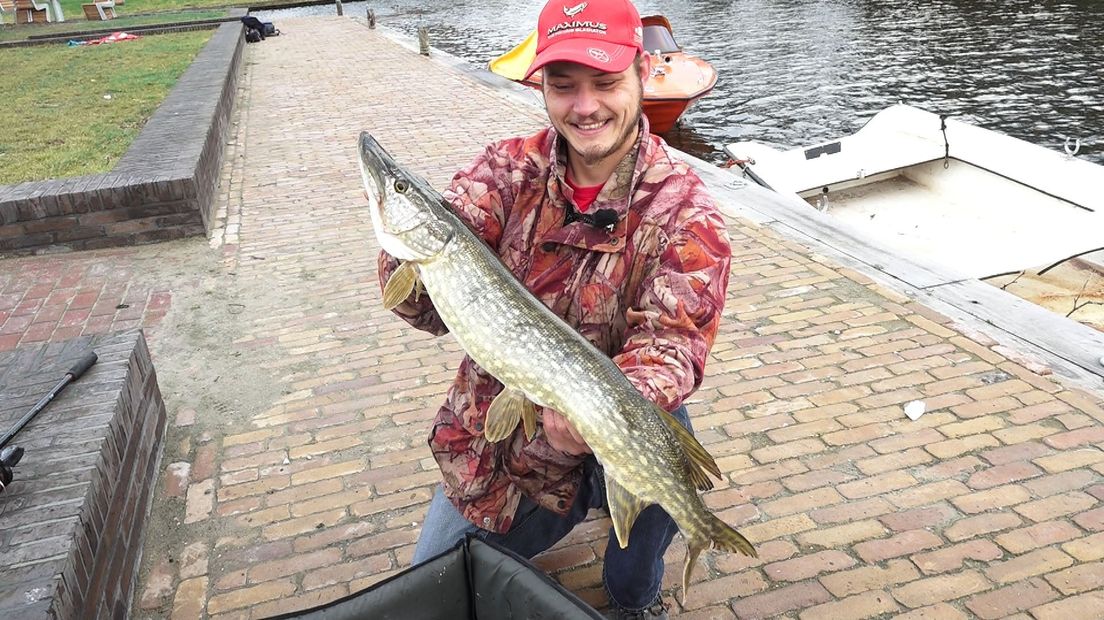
pixel 10 456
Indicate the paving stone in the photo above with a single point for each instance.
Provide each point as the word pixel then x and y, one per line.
pixel 778 601
pixel 952 558
pixel 1007 601
pixel 942 588
pixel 865 605
pixel 866 578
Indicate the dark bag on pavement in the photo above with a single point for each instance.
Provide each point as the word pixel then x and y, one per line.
pixel 270 30
pixel 252 35
pixel 475 580
pixel 252 23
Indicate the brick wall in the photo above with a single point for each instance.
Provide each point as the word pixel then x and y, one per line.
pixel 72 521
pixel 163 187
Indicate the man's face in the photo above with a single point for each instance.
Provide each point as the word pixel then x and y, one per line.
pixel 597 113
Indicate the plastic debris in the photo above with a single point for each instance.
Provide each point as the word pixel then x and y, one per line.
pixel 915 409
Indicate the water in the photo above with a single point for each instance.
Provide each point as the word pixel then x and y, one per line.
pixel 795 72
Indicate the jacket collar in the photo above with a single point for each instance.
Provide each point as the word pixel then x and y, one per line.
pixel 616 193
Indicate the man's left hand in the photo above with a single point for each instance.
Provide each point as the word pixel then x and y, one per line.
pixel 562 435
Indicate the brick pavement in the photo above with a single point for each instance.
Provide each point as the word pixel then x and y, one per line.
pixel 53 298
pixel 989 505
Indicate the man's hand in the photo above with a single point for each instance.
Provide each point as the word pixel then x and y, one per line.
pixel 561 434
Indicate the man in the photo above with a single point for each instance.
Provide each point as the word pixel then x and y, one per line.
pixel 619 239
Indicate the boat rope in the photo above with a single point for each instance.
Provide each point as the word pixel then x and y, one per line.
pixel 1072 146
pixel 1079 254
pixel 738 162
pixel 946 144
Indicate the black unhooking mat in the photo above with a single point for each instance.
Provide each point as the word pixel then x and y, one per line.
pixel 476 580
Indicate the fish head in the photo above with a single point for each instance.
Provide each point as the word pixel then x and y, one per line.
pixel 407 214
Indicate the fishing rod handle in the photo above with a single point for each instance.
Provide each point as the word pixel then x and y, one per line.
pixel 83 364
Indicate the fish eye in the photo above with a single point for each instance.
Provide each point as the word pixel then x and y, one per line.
pixel 401 186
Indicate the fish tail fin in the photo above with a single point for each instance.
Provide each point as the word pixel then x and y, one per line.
pixel 722 536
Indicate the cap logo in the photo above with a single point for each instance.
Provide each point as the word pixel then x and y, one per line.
pixel 574 10
pixel 598 54
pixel 575 26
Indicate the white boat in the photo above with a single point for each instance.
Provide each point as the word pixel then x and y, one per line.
pixel 974 201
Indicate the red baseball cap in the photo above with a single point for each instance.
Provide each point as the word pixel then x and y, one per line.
pixel 600 34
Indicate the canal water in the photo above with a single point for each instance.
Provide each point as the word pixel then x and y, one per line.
pixel 796 72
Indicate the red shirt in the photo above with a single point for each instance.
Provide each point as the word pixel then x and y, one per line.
pixel 583 197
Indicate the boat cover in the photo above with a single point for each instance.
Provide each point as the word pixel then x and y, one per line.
pixel 996 205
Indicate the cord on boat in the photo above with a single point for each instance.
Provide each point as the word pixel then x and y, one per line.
pixel 946 144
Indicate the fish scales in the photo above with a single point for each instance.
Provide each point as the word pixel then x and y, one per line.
pixel 646 457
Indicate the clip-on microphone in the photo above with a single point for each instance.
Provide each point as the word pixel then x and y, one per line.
pixel 602 218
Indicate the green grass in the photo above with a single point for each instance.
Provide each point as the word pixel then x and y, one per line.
pixel 57 120
pixel 72 8
pixel 75 22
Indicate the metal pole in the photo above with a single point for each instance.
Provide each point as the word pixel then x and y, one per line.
pixel 11 455
pixel 340 9
pixel 78 369
pixel 423 40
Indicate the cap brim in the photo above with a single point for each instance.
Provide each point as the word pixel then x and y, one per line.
pixel 606 57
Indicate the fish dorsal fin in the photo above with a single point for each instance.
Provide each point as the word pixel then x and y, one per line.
pixel 399 285
pixel 700 461
pixel 624 507
pixel 505 411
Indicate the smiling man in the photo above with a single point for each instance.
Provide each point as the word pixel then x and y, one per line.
pixel 596 217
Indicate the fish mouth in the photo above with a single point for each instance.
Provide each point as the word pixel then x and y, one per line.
pixel 374 159
pixel 384 179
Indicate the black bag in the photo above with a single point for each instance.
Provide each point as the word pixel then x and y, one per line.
pixel 270 30
pixel 476 579
pixel 252 23
pixel 253 35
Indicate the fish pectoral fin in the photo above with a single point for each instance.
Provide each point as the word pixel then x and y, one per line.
pixel 624 507
pixel 400 285
pixel 506 410
pixel 700 461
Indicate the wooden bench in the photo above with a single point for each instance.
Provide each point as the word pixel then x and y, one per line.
pixel 27 13
pixel 99 11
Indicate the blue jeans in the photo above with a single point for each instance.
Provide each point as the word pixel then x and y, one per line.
pixel 632 576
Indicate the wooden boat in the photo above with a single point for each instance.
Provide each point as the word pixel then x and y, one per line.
pixel 979 203
pixel 678 79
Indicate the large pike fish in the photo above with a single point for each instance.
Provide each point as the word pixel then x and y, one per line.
pixel 648 457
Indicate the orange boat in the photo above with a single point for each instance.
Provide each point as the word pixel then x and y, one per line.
pixel 678 79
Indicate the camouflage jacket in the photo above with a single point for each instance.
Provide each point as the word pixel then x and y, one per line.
pixel 648 293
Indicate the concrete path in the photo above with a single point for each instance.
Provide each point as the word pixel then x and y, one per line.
pixel 296 470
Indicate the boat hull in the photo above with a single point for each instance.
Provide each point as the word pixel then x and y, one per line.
pixel 664 113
